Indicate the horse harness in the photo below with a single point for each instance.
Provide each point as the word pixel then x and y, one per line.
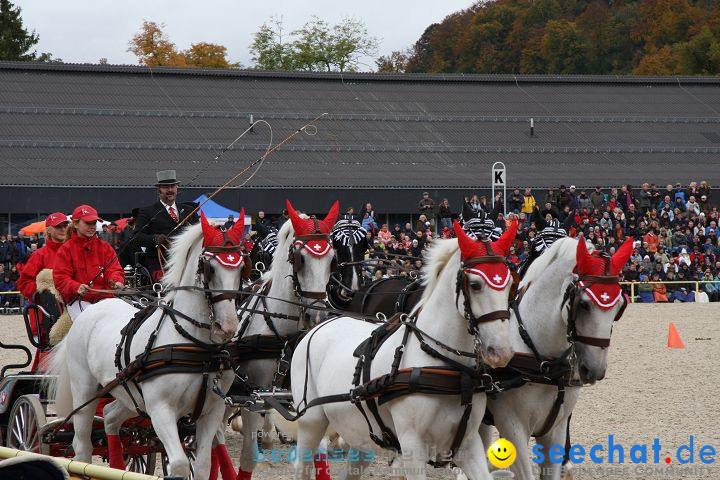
pixel 276 345
pixel 195 357
pixel 462 286
pixel 452 378
pixel 296 260
pixel 535 368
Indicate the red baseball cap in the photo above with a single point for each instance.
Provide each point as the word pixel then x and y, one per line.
pixel 55 219
pixel 85 213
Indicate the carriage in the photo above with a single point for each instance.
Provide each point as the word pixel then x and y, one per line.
pixel 27 418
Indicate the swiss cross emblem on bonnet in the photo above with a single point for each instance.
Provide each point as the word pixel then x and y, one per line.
pixel 219 237
pixel 495 273
pixel 308 226
pixel 604 294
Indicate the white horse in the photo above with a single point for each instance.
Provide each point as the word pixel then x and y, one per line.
pixel 324 364
pixel 86 357
pixel 520 413
pixel 299 273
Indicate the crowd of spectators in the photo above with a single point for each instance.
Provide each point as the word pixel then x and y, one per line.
pixel 675 231
pixel 14 251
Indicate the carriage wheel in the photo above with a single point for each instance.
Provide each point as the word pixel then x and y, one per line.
pixel 26 418
pixel 141 463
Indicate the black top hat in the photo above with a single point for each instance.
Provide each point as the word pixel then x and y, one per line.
pixel 167 177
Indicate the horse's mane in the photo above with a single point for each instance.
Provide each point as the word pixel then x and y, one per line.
pixel 564 248
pixel 436 259
pixel 180 248
pixel 284 236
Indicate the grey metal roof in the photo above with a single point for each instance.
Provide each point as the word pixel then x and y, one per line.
pixel 112 126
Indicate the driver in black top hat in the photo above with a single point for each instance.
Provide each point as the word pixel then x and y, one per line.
pixel 157 223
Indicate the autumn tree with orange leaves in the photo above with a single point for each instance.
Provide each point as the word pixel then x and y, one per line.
pixel 641 37
pixel 154 49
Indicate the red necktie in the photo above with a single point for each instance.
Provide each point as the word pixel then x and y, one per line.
pixel 173 215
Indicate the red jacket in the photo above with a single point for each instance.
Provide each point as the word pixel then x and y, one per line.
pixel 40 260
pixel 80 261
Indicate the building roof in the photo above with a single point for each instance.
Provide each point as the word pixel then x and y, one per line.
pixel 113 126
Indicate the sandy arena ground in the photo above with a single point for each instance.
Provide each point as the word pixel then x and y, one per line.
pixel 649 392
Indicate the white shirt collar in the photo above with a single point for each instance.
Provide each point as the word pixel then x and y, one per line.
pixel 167 207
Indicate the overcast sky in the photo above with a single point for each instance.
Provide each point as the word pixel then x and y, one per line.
pixel 79 31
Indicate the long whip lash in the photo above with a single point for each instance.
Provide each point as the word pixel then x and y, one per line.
pixel 267 153
pixel 242 172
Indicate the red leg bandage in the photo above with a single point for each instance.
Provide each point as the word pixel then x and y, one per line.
pixel 226 466
pixel 214 465
pixel 243 475
pixel 115 452
pixel 322 469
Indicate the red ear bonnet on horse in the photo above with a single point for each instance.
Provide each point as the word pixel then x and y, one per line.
pixel 496 274
pixel 309 226
pixel 214 237
pixel 605 295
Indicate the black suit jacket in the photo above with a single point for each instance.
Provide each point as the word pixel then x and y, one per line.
pixel 154 220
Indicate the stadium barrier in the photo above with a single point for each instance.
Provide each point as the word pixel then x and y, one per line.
pixel 697 283
pixel 79 468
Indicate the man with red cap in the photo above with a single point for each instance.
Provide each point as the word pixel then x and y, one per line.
pixel 85 262
pixel 37 273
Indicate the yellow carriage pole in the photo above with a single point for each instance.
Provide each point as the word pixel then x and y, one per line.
pixel 80 468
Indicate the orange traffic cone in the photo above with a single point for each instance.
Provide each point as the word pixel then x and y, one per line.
pixel 674 340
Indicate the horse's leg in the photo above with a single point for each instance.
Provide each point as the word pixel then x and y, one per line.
pixel 355 468
pixel 268 438
pixel 414 453
pixel 251 423
pixel 114 414
pixel 556 436
pixel 164 420
pixel 83 389
pixel 518 433
pixel 206 430
pixel 310 431
pixel 472 457
pixel 486 433
pixel 221 460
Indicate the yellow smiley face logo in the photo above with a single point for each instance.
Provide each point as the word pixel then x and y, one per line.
pixel 502 453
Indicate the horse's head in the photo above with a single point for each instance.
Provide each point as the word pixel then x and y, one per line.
pixel 484 282
pixel 350 244
pixel 220 267
pixel 595 301
pixel 311 254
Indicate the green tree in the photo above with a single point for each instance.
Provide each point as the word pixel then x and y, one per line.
pixel 269 48
pixel 317 46
pixel 563 48
pixel 48 58
pixel 396 62
pixel 701 55
pixel 15 41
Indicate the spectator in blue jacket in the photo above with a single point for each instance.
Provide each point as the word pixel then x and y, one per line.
pixel 7 285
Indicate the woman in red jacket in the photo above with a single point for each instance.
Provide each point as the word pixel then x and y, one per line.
pixel 85 262
pixel 43 259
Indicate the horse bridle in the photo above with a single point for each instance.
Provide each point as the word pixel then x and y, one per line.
pixel 572 299
pixel 206 271
pixel 463 286
pixel 295 259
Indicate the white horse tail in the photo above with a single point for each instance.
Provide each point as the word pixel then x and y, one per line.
pixel 58 382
